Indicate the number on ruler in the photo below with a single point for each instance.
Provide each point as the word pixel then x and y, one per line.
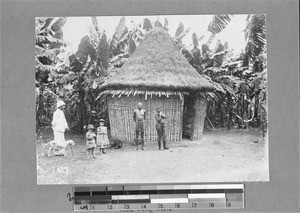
pixel 194 205
pixel 160 205
pixel 126 206
pixel 212 204
pixel 177 205
pixel 84 207
pixel 144 206
pixel 110 206
pixel 229 204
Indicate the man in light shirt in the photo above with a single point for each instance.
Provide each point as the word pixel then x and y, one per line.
pixel 59 123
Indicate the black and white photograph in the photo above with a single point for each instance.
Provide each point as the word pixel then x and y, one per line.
pixel 151 99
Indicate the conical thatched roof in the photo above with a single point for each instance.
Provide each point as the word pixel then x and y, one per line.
pixel 157 64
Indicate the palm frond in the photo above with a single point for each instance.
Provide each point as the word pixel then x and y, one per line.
pixel 255 35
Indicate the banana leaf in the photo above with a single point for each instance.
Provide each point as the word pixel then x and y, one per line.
pixel 51 54
pixel 131 46
pixel 158 24
pixel 45 21
pixel 147 24
pixel 85 49
pixel 58 24
pixel 181 35
pixel 179 30
pixel 218 23
pixel 166 25
pixel 103 52
pixel 96 24
pixel 195 41
pixel 118 34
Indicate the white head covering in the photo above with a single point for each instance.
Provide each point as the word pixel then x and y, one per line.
pixel 60 103
pixel 140 104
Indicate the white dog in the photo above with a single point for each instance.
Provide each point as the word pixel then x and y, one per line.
pixel 61 146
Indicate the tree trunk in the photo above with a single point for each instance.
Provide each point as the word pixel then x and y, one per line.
pixel 40 108
pixel 240 107
pixel 221 112
pixel 81 103
pixel 229 110
pixel 256 110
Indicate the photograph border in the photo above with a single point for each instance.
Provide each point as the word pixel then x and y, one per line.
pixel 18 159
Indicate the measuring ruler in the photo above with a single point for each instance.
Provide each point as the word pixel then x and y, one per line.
pixel 158 197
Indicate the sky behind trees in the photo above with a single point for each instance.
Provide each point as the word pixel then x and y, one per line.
pixel 77 27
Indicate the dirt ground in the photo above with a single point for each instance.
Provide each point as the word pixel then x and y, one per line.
pixel 220 156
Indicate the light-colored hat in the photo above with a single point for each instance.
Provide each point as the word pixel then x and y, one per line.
pixel 140 104
pixel 90 126
pixel 60 103
pixel 101 120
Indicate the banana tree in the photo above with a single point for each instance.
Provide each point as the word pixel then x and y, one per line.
pixel 89 64
pixel 50 60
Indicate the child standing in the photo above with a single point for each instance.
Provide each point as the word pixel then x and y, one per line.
pixel 90 141
pixel 102 138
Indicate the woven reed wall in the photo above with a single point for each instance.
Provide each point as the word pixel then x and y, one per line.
pixel 122 126
pixel 200 105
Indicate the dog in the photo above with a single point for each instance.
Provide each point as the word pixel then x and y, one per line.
pixel 116 145
pixel 61 146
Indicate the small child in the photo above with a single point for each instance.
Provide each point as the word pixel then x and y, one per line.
pixel 102 138
pixel 160 117
pixel 90 141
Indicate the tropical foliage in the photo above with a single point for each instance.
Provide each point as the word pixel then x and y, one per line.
pixel 239 100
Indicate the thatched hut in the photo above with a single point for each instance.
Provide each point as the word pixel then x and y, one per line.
pixel 156 74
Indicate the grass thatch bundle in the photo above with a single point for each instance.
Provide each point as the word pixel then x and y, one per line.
pixel 157 64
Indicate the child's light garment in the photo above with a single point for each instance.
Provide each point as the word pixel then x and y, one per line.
pixel 90 140
pixel 102 138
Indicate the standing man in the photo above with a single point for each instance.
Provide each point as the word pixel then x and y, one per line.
pixel 160 127
pixel 139 116
pixel 59 123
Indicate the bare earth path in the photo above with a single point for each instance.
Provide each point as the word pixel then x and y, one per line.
pixel 220 156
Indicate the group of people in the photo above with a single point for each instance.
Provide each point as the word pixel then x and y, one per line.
pixel 139 117
pixel 60 125
pixel 100 140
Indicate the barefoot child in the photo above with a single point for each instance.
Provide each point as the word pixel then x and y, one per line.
pixel 102 139
pixel 90 141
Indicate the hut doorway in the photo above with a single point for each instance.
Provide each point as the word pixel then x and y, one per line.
pixel 188 116
pixel 194 112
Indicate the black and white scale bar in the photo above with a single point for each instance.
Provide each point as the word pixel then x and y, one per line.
pixel 119 197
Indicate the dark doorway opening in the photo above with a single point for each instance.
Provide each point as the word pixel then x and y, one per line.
pixel 188 116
